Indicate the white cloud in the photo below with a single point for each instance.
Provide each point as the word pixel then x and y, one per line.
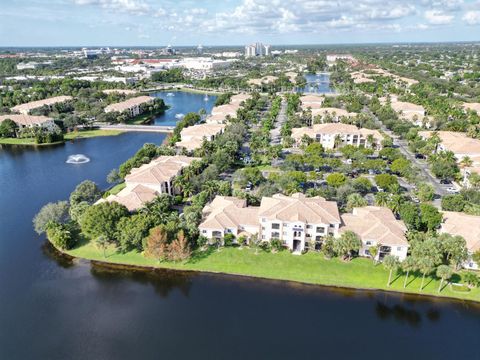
pixel 132 6
pixel 438 17
pixel 472 17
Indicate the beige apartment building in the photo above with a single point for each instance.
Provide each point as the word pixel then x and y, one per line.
pixel 377 226
pixel 130 106
pixel 335 135
pixel 27 107
pixel 192 137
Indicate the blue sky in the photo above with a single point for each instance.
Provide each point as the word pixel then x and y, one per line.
pixel 234 22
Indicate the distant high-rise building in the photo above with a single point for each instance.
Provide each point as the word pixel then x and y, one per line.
pixel 257 49
pixel 200 49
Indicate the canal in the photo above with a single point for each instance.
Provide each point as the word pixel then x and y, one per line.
pixel 54 308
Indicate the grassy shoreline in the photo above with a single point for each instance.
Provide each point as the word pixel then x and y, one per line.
pixel 83 134
pixel 310 268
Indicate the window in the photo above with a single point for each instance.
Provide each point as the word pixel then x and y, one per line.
pixel 368 243
pixel 263 227
pixel 263 219
pixel 275 226
pixel 332 225
pixel 320 230
pixel 275 235
pixel 285 225
pixel 204 231
pixel 263 237
pixel 399 248
pixel 284 233
pixel 309 226
pixel 318 238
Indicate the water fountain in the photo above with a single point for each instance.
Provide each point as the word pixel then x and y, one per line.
pixel 170 94
pixel 77 159
pixel 206 98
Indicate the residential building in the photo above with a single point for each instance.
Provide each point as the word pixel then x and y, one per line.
pixel 257 49
pixel 377 226
pixel 312 101
pixel 120 91
pixel 192 137
pixel 27 107
pixel 23 120
pixel 131 106
pixel 335 114
pixel 239 98
pixel 457 142
pixel 472 106
pixel 229 215
pixel 159 173
pixel 411 112
pixel 466 226
pixel 334 135
pixel 269 79
pixel 133 197
pixel 298 221
pixel 226 110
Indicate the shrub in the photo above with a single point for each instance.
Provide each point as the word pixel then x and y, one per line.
pixel 228 239
pixel 60 235
pixel 276 244
pixel 265 246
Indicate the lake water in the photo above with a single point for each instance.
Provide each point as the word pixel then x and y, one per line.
pixel 53 308
pixel 318 84
pixel 181 103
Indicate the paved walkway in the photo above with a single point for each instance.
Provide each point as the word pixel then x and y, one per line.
pixel 275 137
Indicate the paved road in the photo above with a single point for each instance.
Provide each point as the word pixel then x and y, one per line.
pixel 275 137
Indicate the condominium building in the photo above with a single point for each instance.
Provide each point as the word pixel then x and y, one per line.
pixel 23 120
pixel 377 226
pixel 131 106
pixel 298 221
pixel 229 215
pixel 27 107
pixel 295 220
pixel 145 183
pixel 257 49
pixel 192 137
pixel 466 226
pixel 335 135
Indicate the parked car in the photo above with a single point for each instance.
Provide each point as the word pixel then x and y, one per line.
pixel 419 156
pixel 445 182
pixel 452 190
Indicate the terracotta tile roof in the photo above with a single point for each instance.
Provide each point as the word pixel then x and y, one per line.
pixel 239 98
pixel 129 103
pixel 315 210
pixel 457 142
pixel 333 129
pixel 227 109
pixel 37 104
pixel 120 91
pixel 192 136
pixel 26 120
pixel 377 224
pixel 228 212
pixel 331 111
pixel 160 170
pixel 307 100
pixel 472 106
pixel 133 198
pixel 467 226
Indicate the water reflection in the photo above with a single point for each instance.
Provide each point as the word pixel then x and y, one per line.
pixel 63 260
pixel 163 281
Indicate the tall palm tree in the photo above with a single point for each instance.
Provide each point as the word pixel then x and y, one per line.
pixel 390 262
pixel 444 272
pixel 338 141
pixel 408 265
pixel 210 188
pixel 395 203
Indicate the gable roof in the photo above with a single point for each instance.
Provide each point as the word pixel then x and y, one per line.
pixel 26 120
pixel 465 225
pixel 37 104
pixel 298 207
pixel 377 224
pixel 133 198
pixel 128 104
pixel 228 212
pixel 159 170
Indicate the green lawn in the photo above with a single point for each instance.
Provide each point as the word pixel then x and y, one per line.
pixel 24 141
pixel 91 133
pixel 116 189
pixel 310 268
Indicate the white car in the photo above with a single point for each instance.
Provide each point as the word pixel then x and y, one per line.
pixel 452 190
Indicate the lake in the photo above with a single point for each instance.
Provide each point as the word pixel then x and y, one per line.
pixel 181 103
pixel 318 84
pixel 54 308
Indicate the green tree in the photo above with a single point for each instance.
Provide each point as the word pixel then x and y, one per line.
pixel 86 191
pixel 347 244
pixel 8 128
pixel 410 214
pixel 401 166
pixel 454 248
pixel 391 263
pixel 336 179
pixel 431 218
pixel 444 272
pixel 132 230
pixel 60 235
pixel 51 213
pixel 382 199
pixel 454 202
pixel 425 192
pixel 102 243
pixel 355 200
pixel 328 247
pixel 385 180
pixel 113 177
pixel 102 219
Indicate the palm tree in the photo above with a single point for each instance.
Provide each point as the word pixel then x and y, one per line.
pixel 210 188
pixel 382 199
pixel 179 182
pixel 390 262
pixel 435 140
pixel 355 200
pixel 337 142
pixel 426 266
pixel 409 264
pixel 371 141
pixel 395 203
pixel 444 272
pixel 466 162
